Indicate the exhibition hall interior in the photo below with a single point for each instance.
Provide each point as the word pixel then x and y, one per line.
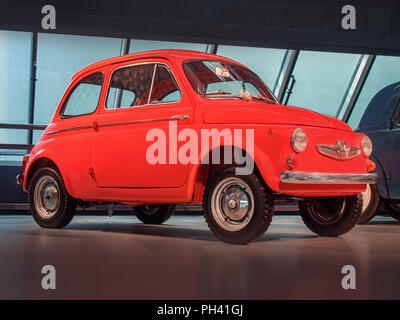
pixel 106 252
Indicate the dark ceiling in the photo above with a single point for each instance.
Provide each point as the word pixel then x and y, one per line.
pixel 293 24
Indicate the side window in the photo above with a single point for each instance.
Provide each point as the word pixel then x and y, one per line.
pixel 165 88
pixel 130 86
pixel 84 98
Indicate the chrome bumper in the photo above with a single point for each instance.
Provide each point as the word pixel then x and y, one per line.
pixel 20 179
pixel 328 178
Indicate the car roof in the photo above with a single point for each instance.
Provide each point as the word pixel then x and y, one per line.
pixel 172 54
pixel 381 108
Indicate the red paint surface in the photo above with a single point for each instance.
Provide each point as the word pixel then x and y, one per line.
pixel 116 155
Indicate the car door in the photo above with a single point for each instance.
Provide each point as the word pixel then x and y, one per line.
pixel 394 159
pixel 143 103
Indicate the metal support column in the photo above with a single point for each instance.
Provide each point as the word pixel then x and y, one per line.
pixel 212 48
pixel 31 113
pixel 358 82
pixel 285 80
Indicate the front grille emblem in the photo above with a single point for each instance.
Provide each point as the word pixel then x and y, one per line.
pixel 339 151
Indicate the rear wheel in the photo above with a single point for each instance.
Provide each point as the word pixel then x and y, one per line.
pixel 237 208
pixel 393 207
pixel 331 216
pixel 51 205
pixel 154 214
pixel 370 204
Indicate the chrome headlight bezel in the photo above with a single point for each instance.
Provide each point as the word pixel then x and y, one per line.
pixel 298 140
pixel 366 146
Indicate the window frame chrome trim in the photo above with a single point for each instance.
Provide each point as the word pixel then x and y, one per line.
pixel 70 92
pixel 151 87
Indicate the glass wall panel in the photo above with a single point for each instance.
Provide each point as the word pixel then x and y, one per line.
pixel 138 45
pixel 384 71
pixel 59 57
pixel 267 63
pixel 322 80
pixel 15 53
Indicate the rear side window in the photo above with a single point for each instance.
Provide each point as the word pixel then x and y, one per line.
pixel 85 96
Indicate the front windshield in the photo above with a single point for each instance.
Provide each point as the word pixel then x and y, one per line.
pixel 215 78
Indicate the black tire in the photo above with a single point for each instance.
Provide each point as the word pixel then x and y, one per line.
pixel 41 186
pixel 254 220
pixel 154 214
pixel 393 208
pixel 331 216
pixel 371 208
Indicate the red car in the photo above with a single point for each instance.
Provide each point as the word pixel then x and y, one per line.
pixel 158 128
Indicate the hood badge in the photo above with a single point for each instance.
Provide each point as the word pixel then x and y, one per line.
pixel 339 151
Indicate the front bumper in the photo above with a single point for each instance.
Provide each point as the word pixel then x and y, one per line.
pixel 298 177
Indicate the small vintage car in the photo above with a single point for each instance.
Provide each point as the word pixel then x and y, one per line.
pixel 166 127
pixel 381 121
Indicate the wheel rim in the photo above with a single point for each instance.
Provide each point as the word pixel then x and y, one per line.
pixel 46 197
pixel 327 211
pixel 232 204
pixel 366 196
pixel 150 209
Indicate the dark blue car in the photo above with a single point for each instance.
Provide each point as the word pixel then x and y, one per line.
pixel 381 122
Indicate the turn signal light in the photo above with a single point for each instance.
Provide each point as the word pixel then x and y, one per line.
pixel 371 166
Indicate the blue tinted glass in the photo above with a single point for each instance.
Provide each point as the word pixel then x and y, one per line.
pixel 385 71
pixel 15 52
pixel 322 80
pixel 266 63
pixel 85 96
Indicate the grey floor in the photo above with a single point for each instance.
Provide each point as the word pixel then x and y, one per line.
pixel 119 258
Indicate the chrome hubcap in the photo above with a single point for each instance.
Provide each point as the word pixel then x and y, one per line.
pixel 46 197
pixel 232 204
pixel 327 211
pixel 150 209
pixel 366 196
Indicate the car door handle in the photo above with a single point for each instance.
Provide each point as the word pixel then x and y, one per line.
pixel 180 117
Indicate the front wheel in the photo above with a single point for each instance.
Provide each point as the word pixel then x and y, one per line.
pixel 52 206
pixel 331 216
pixel 154 214
pixel 237 208
pixel 393 207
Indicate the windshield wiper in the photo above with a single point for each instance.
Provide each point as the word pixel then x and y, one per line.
pixel 224 92
pixel 262 98
pixel 219 91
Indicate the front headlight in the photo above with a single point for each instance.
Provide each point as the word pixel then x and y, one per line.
pixel 299 140
pixel 366 146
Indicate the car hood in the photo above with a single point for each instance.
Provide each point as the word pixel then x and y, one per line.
pixel 261 113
